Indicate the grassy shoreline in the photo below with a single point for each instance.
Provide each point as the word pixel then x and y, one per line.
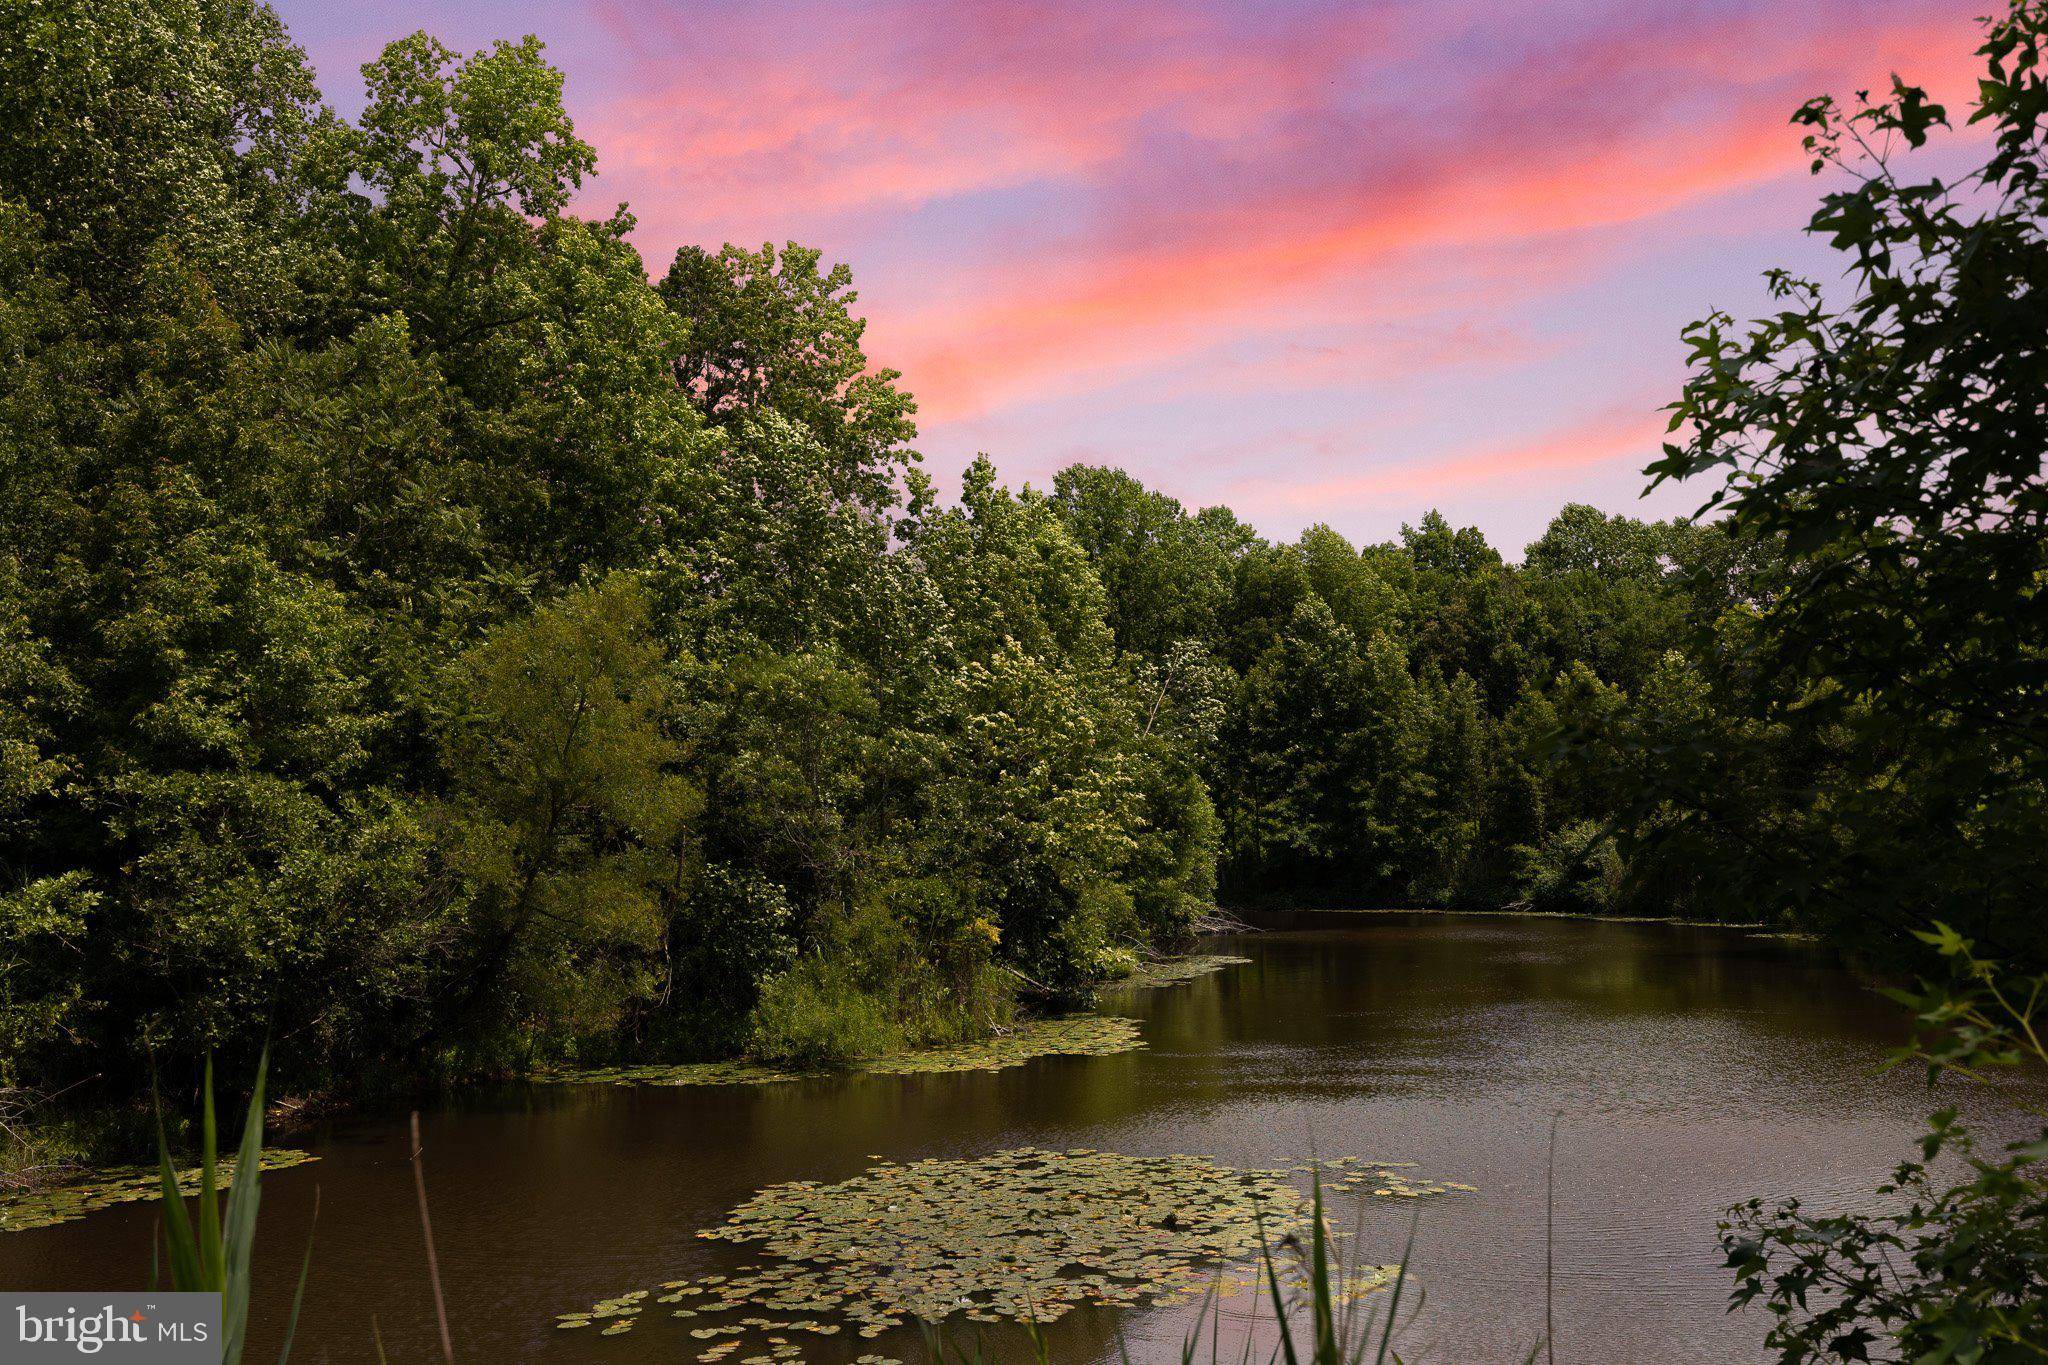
pixel 70 1147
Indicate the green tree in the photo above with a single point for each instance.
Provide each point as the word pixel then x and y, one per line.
pixel 1167 575
pixel 1892 444
pixel 565 811
pixel 136 133
pixel 1605 589
pixel 770 331
pixel 1324 789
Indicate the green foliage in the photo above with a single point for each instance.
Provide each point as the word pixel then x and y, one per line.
pixel 772 332
pixel 429 642
pixel 564 814
pixel 733 931
pixel 137 130
pixel 889 974
pixel 1859 743
pixel 41 978
pixel 1887 449
pixel 817 1016
pixel 1955 1276
pixel 1167 575
pixel 1575 869
pixel 1953 1269
pixel 1332 741
pixel 1380 723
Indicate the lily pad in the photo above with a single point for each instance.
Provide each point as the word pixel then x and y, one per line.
pixel 1074 1035
pixel 1174 971
pixel 1026 1235
pixel 106 1186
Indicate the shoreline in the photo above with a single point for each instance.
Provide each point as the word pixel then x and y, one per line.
pixel 1755 928
pixel 1028 1038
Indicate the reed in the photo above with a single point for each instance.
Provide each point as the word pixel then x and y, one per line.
pixel 211 1250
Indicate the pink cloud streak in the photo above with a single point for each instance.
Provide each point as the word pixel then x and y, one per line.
pixel 1621 430
pixel 1206 236
pixel 1124 305
pixel 898 108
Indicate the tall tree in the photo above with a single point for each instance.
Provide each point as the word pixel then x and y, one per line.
pixel 1893 444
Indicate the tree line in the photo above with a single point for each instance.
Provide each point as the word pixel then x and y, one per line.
pixel 435 643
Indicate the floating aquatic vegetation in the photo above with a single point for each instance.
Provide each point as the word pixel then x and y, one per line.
pixel 665 1073
pixel 1173 971
pixel 1026 1235
pixel 107 1186
pixel 1075 1035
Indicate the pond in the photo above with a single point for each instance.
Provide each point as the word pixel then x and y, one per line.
pixel 1689 1068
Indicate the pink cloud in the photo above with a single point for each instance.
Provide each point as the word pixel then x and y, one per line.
pixel 743 124
pixel 1117 304
pixel 1396 349
pixel 1219 177
pixel 1162 227
pixel 1622 430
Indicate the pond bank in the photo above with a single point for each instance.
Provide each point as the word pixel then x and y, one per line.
pixel 90 1153
pixel 1693 1067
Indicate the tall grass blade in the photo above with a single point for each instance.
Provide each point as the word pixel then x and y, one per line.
pixel 239 1234
pixel 1394 1294
pixel 291 1322
pixel 1321 1299
pixel 1550 1246
pixel 218 1256
pixel 209 1188
pixel 187 1271
pixel 1279 1301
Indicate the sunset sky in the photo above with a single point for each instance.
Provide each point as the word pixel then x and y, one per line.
pixel 1321 262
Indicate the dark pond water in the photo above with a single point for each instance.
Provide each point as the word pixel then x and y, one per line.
pixel 1691 1067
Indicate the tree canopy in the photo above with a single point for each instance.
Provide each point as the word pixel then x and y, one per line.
pixel 433 642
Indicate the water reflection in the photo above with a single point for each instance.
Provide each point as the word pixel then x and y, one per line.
pixel 1693 1068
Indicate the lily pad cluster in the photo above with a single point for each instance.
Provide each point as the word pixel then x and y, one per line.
pixel 1381 1179
pixel 107 1186
pixel 1076 1035
pixel 1173 971
pixel 1026 1235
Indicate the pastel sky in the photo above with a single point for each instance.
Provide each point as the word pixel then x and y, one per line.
pixel 1321 262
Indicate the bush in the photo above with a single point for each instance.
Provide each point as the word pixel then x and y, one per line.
pixel 902 969
pixel 817 1015
pixel 929 948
